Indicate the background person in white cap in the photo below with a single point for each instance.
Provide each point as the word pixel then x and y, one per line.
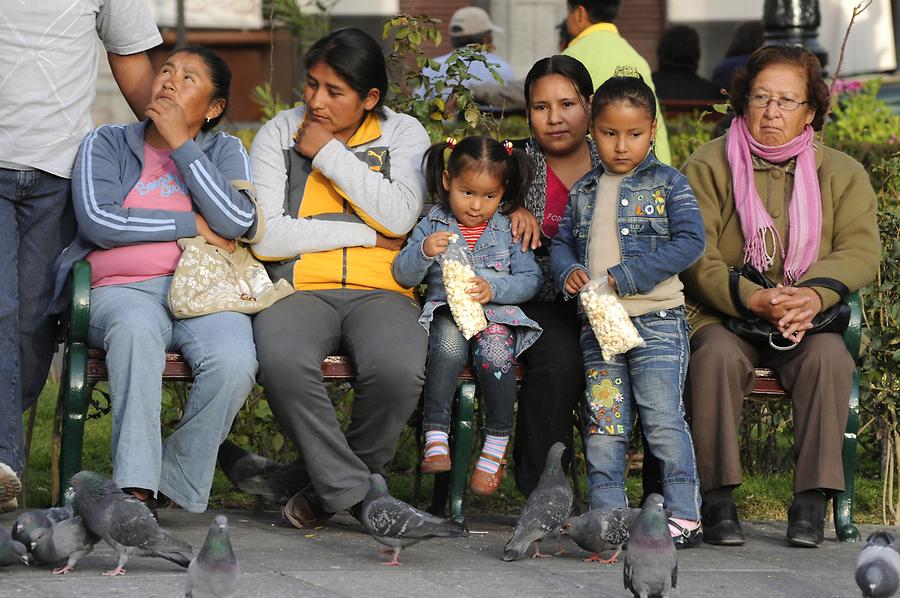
pixel 472 25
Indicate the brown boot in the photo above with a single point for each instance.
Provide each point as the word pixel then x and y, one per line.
pixel 305 511
pixel 484 483
pixel 436 463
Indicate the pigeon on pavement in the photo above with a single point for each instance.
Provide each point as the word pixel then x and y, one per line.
pixel 12 552
pixel 124 522
pixel 259 476
pixel 214 572
pixel 601 530
pixel 28 521
pixel 65 541
pixel 397 524
pixel 544 511
pixel 651 568
pixel 878 566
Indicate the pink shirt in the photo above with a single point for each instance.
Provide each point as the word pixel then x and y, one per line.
pixel 555 206
pixel 160 187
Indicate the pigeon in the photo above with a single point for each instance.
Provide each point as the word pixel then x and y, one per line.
pixel 544 511
pixel 259 476
pixel 397 524
pixel 214 572
pixel 65 541
pixel 601 530
pixel 124 522
pixel 878 566
pixel 651 568
pixel 28 521
pixel 12 552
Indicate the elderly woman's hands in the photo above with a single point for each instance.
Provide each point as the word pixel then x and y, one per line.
pixel 311 138
pixel 526 226
pixel 789 309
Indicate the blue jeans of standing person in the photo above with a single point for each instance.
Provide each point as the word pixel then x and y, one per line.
pixel 493 360
pixel 132 322
pixel 650 377
pixel 36 222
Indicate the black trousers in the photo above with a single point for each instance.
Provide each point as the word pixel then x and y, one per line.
pixel 552 387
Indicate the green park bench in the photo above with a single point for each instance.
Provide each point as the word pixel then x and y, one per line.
pixel 84 367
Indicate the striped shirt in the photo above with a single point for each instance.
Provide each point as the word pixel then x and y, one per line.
pixel 472 233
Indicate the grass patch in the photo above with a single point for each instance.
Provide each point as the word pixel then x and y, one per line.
pixel 763 497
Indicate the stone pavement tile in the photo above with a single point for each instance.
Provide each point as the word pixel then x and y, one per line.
pixel 341 561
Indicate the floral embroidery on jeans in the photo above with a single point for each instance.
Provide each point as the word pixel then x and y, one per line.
pixel 605 404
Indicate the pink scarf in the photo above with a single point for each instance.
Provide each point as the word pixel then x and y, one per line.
pixel 804 210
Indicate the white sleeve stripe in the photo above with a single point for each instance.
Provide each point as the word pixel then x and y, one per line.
pixel 103 217
pixel 218 196
pixel 248 175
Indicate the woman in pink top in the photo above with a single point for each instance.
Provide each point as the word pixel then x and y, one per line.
pixel 557 96
pixel 137 189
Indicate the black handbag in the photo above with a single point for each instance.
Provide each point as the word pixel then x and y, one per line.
pixel 760 331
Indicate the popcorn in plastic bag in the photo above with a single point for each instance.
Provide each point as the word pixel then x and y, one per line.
pixel 609 320
pixel 458 269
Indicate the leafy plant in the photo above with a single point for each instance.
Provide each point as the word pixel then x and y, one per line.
pixel 858 116
pixel 444 105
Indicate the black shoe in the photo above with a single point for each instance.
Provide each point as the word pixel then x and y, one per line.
pixel 688 537
pixel 806 520
pixel 721 525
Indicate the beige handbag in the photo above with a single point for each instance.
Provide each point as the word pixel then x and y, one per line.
pixel 209 280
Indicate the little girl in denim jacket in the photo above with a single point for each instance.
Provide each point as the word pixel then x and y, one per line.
pixel 471 179
pixel 634 223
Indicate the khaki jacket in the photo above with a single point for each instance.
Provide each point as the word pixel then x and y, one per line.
pixel 849 250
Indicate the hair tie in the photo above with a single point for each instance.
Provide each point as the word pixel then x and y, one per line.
pixel 626 70
pixel 452 142
pixel 508 146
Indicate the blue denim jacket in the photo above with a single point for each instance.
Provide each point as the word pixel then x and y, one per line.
pixel 514 276
pixel 655 243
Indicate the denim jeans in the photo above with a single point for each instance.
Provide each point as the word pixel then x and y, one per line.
pixel 493 359
pixel 36 222
pixel 133 324
pixel 652 378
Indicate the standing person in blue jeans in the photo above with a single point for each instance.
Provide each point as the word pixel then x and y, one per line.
pixel 48 73
pixel 137 189
pixel 477 185
pixel 634 222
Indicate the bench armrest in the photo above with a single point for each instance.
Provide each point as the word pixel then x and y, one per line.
pixel 80 307
pixel 853 334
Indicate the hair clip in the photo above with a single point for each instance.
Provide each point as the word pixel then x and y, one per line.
pixel 452 142
pixel 508 146
pixel 626 70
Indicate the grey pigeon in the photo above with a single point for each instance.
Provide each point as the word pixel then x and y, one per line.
pixel 878 566
pixel 544 511
pixel 397 524
pixel 124 522
pixel 214 572
pixel 259 476
pixel 12 552
pixel 601 530
pixel 65 541
pixel 28 521
pixel 651 568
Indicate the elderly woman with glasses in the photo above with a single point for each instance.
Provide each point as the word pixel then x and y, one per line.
pixel 774 198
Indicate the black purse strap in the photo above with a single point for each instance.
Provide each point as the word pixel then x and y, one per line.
pixel 734 285
pixel 829 283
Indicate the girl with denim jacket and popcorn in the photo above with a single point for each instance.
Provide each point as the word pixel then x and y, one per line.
pixel 634 223
pixel 477 182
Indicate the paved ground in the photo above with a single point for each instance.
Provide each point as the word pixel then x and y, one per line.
pixel 340 560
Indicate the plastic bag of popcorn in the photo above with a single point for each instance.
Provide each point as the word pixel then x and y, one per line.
pixel 609 320
pixel 458 269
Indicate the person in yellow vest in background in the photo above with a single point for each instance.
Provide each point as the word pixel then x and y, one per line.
pixel 600 48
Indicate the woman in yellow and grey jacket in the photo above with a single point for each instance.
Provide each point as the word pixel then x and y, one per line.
pixel 339 182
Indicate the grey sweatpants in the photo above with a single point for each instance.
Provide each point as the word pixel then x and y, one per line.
pixel 380 333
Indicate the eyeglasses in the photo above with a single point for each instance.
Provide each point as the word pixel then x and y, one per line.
pixel 762 100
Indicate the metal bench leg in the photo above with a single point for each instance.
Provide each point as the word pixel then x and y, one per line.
pixel 71 411
pixel 843 502
pixel 463 427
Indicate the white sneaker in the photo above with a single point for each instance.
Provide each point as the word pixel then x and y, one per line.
pixel 10 486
